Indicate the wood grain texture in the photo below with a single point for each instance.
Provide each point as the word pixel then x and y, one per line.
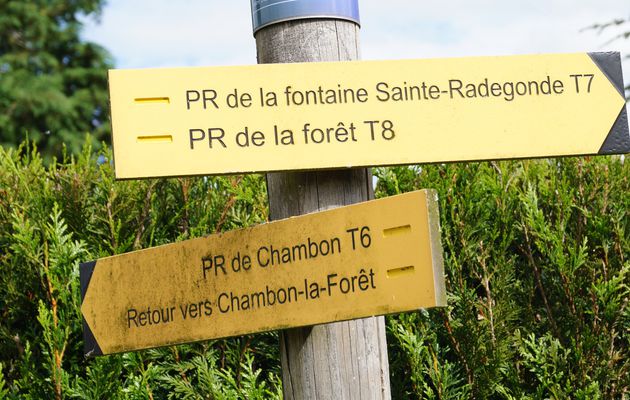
pixel 342 360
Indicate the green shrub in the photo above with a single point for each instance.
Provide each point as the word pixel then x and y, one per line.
pixel 54 217
pixel 537 262
pixel 536 257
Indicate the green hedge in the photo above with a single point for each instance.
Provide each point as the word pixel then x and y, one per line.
pixel 536 256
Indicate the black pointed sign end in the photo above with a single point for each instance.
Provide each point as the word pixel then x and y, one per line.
pixel 90 345
pixel 610 64
pixel 618 140
pixel 85 275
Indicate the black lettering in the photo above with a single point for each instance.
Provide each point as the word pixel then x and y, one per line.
pixel 363 281
pixel 344 285
pixel 201 135
pixel 143 319
pixel 324 247
pixel 206 265
pixel 292 293
pixel 455 85
pixel 191 95
pixel 286 255
pixel 382 93
pixel 131 316
pixel 258 256
pixel 245 302
pixel 193 310
pixel 208 308
pixel 236 305
pixel 258 138
pixel 434 92
pixel 209 95
pixel 301 252
pixel 331 283
pixel 271 296
pixel 275 256
pixel 155 318
pixel 218 137
pixel 312 249
pixel 220 303
pixel 258 299
pixel 282 296
pixel 184 311
pixel 508 91
pixel 313 290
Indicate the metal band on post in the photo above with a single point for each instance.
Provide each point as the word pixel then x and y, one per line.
pixel 267 12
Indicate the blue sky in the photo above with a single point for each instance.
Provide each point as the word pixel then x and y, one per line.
pixel 159 33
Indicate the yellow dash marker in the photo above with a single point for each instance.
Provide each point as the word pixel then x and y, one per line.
pixel 277 117
pixel 317 268
pixel 394 272
pixel 396 230
pixel 152 100
pixel 155 138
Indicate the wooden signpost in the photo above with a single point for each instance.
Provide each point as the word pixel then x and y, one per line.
pixel 220 120
pixel 347 359
pixel 373 258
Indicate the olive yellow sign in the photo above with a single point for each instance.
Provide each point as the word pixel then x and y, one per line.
pixel 372 258
pixel 219 120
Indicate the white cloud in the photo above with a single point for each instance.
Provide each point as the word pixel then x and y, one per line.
pixel 161 33
pixel 483 27
pixel 155 33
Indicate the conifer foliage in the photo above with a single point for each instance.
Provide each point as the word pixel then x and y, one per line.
pixel 536 260
pixel 53 85
pixel 537 264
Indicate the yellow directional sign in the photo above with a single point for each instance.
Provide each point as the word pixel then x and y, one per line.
pixel 218 120
pixel 372 258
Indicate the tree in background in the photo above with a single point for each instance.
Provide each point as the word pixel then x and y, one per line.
pixel 53 85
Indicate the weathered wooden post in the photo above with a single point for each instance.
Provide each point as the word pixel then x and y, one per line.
pixel 343 360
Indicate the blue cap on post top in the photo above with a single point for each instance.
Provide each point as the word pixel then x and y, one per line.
pixel 267 12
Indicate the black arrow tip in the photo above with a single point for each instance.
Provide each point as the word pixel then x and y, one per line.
pixel 85 276
pixel 90 346
pixel 610 64
pixel 618 139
